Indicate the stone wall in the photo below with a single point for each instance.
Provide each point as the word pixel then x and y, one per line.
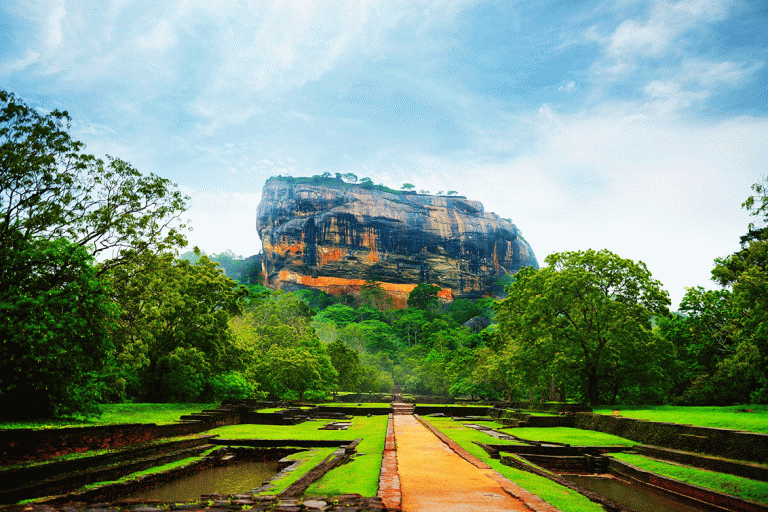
pixel 732 444
pixel 448 410
pixel 19 445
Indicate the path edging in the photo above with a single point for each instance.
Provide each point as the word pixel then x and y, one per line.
pixel 530 500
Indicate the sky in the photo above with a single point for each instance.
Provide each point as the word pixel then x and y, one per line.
pixel 637 127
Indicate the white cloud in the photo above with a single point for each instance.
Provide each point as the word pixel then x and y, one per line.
pixel 53 32
pixel 222 220
pixel 667 22
pixel 650 188
pixel 29 58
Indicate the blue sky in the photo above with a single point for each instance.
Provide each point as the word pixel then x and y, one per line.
pixel 633 126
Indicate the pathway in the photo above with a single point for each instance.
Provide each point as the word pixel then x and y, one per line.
pixel 433 477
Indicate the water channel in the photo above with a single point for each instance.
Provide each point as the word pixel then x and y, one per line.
pixel 640 499
pixel 234 478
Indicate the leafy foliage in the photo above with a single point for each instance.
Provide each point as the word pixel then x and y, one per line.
pixel 50 189
pixel 54 314
pixel 584 322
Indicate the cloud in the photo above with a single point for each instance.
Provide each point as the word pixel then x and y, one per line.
pixel 665 25
pixel 29 58
pixel 222 220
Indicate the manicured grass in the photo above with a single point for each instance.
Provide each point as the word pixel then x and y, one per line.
pixel 311 459
pixel 120 413
pixel 737 486
pixel 709 416
pixel 572 436
pixel 361 475
pixel 559 496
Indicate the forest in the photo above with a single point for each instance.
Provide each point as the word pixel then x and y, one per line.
pixel 101 301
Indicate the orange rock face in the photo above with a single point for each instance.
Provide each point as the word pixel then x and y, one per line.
pixel 328 235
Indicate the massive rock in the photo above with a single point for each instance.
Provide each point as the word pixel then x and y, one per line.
pixel 325 234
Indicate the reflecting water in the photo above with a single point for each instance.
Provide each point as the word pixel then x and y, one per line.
pixel 234 478
pixel 637 498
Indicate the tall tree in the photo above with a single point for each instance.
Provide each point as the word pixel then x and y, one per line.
pixel 584 320
pixel 50 188
pixel 746 271
pixel 54 315
pixel 424 297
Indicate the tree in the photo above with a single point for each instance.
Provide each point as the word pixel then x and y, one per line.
pixel 366 182
pixel 585 320
pixel 746 272
pixel 424 297
pixel 283 351
pixel 346 362
pixel 59 208
pixel 408 186
pixel 452 192
pixel 372 294
pixel 167 307
pixel 50 189
pixel 54 315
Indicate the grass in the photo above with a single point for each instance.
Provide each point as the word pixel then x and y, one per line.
pixel 559 496
pixel 729 484
pixel 119 413
pixel 89 453
pixel 568 435
pixel 701 416
pixel 361 475
pixel 310 458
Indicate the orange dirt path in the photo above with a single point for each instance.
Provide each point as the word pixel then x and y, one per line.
pixel 434 478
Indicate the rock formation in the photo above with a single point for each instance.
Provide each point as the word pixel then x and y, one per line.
pixel 325 234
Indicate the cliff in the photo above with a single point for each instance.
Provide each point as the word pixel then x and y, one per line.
pixel 330 235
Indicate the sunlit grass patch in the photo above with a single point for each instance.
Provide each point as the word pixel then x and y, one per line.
pixel 567 435
pixel 119 413
pixel 310 458
pixel 729 484
pixel 730 417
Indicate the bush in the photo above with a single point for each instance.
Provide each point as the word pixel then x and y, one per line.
pixel 232 386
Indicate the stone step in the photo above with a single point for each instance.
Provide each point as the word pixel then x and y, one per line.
pixel 401 408
pixel 99 470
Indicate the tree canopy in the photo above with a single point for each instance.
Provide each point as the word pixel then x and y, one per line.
pixel 585 322
pixel 50 188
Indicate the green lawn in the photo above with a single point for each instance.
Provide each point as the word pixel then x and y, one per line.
pixel 120 413
pixel 709 416
pixel 310 458
pixel 737 486
pixel 572 436
pixel 559 496
pixel 361 475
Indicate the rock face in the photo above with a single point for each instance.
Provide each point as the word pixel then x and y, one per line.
pixel 325 234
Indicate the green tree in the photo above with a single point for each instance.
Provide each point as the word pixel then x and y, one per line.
pixel 585 320
pixel 50 188
pixel 372 294
pixel 346 362
pixel 408 186
pixel 276 337
pixel 54 315
pixel 746 272
pixel 298 369
pixel 424 297
pixel 169 306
